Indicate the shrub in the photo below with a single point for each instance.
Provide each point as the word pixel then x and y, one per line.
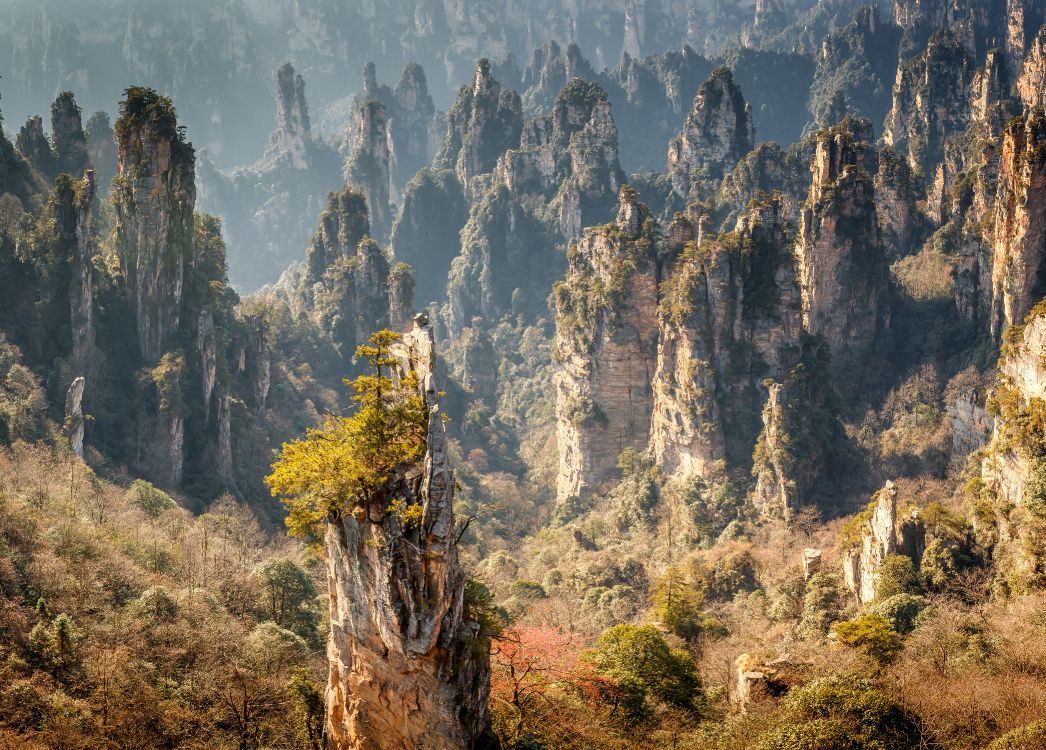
pixel 871 634
pixel 897 576
pixel 1031 737
pixel 150 499
pixel 837 714
pixel 644 667
pixel 902 611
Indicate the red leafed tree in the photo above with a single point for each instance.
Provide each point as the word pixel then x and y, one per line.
pixel 529 664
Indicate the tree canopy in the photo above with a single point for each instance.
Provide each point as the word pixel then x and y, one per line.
pixel 344 463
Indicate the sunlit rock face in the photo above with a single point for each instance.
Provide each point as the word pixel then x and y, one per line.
pixel 406 669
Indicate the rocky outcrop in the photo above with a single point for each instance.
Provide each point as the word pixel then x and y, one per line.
pixel 407 667
pixel 550 69
pixel 154 196
pixel 811 560
pixel 896 198
pixel 268 208
pixel 729 305
pixel 74 416
pixel 576 142
pixel 1019 246
pixel 970 423
pixel 350 288
pixel 766 169
pixel 841 260
pixel 426 233
pixel 484 122
pixel 33 144
pixel 343 223
pixel 1031 84
pixel 369 166
pixel 412 120
pixel 718 131
pixel 856 68
pixel 606 347
pixel 101 150
pixel 70 143
pixel 292 138
pixel 755 681
pixel 931 101
pixel 508 260
pixel 880 537
pixel 81 289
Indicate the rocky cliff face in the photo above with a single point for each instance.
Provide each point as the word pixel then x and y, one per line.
pixel 407 667
pixel 484 122
pixel 897 195
pixel 576 142
pixel 931 101
pixel 426 233
pixel 730 317
pixel 268 207
pixel 606 347
pixel 350 288
pixel 370 162
pixel 154 197
pixel 856 68
pixel 880 536
pixel 841 261
pixel 101 150
pixel 1031 84
pixel 412 121
pixel 550 69
pixel 70 143
pixel 1012 465
pixel 718 131
pixel 32 143
pixel 1019 246
pixel 292 138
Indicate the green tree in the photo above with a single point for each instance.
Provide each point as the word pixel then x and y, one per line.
pixel 837 714
pixel 677 605
pixel 151 500
pixel 288 594
pixel 897 576
pixel 872 634
pixel 349 460
pixel 643 667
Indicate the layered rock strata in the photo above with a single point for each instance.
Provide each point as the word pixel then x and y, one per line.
pixel 407 667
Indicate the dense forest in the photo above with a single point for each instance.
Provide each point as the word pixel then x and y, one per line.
pixel 580 375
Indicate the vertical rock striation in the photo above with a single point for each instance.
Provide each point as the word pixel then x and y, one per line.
pixel 293 135
pixel 730 317
pixel 841 261
pixel 154 196
pixel 606 346
pixel 1019 244
pixel 931 101
pixel 370 163
pixel 407 669
pixel 718 131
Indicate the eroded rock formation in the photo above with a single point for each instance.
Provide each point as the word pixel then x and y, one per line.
pixel 606 346
pixel 880 537
pixel 484 122
pixel 1019 246
pixel 841 260
pixel 154 197
pixel 408 669
pixel 718 131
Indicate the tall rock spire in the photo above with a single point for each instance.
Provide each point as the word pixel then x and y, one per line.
pixel 405 669
pixel 292 136
pixel 154 197
pixel 718 131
